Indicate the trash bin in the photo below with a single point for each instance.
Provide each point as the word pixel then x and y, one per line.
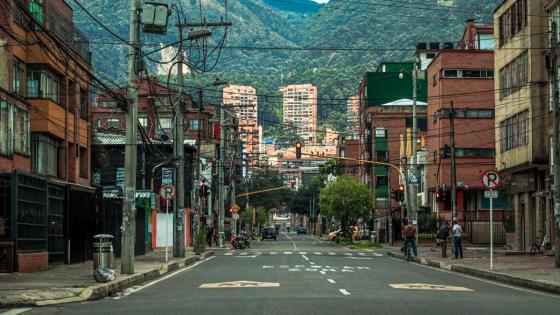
pixel 103 256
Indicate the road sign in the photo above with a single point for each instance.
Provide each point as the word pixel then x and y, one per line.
pixel 491 194
pixel 167 192
pixel 413 180
pixel 491 179
pixel 235 208
pixel 235 216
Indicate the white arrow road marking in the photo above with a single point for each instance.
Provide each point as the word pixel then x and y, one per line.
pixel 424 286
pixel 305 257
pixel 359 257
pixel 343 291
pixel 331 281
pixel 240 284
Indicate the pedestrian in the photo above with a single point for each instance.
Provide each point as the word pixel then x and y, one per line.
pixel 442 236
pixel 409 234
pixel 457 235
pixel 209 233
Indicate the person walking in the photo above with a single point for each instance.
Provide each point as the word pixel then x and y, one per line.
pixel 409 234
pixel 457 238
pixel 442 235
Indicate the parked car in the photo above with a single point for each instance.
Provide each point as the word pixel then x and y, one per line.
pixel 301 230
pixel 268 233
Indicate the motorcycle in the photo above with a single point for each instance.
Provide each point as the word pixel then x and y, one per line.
pixel 237 243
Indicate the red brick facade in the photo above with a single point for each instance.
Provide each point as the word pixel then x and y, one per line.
pixel 32 262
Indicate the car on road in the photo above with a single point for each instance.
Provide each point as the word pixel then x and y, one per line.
pixel 301 230
pixel 268 233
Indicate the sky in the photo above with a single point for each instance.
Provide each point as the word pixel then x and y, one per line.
pixel 321 1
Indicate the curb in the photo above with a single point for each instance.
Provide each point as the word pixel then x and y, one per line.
pixel 102 290
pixel 489 275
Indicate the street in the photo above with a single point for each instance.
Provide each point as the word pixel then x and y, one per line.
pixel 300 275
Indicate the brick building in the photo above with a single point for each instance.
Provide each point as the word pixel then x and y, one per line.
pixel 45 192
pixel 466 78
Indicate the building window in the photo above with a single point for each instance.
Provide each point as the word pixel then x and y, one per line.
pixel 21 131
pixel 113 123
pixel 381 181
pixel 19 77
pixel 84 104
pixel 381 156
pixel 514 131
pixel 422 123
pixel 468 73
pixel 513 21
pixel 194 124
pixel 514 75
pixel 6 128
pixel 485 41
pixel 165 123
pixel 107 104
pixel 36 8
pixel 143 121
pixel 45 155
pixel 42 83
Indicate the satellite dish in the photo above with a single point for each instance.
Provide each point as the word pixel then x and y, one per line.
pixel 164 137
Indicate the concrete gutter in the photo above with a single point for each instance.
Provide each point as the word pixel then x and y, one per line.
pixel 486 274
pixel 97 291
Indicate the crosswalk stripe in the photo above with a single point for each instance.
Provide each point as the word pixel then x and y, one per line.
pixel 303 253
pixel 242 254
pixel 348 254
pixel 361 254
pixel 377 254
pixel 228 254
pixel 331 253
pixel 318 253
pixel 287 253
pixel 273 253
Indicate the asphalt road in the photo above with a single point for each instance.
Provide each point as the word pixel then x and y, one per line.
pixel 300 275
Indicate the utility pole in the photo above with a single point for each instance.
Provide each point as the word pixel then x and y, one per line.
pixel 179 148
pixel 196 218
pixel 556 138
pixel 413 187
pixel 453 166
pixel 129 195
pixel 221 170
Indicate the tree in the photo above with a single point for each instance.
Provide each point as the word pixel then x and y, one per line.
pixel 347 200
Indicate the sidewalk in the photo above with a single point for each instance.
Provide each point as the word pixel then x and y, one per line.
pixel 75 283
pixel 534 272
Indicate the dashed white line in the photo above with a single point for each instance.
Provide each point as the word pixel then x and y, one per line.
pixel 287 253
pixel 331 281
pixel 303 253
pixel 332 254
pixel 322 272
pixel 377 254
pixel 318 253
pixel 361 254
pixel 228 254
pixel 305 257
pixel 343 291
pixel 348 254
pixel 273 253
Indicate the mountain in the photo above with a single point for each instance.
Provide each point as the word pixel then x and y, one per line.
pixel 330 45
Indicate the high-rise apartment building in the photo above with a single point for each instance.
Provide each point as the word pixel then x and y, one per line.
pixel 300 107
pixel 243 100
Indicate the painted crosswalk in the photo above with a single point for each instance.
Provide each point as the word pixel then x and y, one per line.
pixel 357 255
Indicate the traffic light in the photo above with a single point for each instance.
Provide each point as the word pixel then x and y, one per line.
pixel 446 152
pixel 204 191
pixel 401 192
pixel 298 150
pixel 438 195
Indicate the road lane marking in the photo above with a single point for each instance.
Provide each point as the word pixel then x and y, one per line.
pixel 425 286
pixel 250 256
pixel 273 253
pixel 16 311
pixel 332 254
pixel 303 253
pixel 268 267
pixel 348 254
pixel 287 253
pixel 362 254
pixel 239 284
pixel 359 257
pixel 295 247
pixel 242 254
pixel 322 272
pixel 305 257
pixel 377 254
pixel 228 254
pixel 168 276
pixel 331 281
pixel 343 291
pixel 318 253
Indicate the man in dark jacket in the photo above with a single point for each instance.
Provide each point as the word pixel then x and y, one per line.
pixel 442 236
